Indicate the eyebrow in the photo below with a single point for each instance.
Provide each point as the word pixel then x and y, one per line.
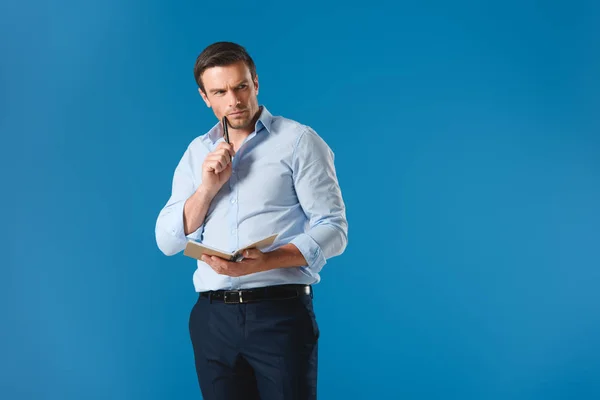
pixel 213 91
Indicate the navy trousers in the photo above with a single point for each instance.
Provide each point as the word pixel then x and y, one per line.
pixel 261 350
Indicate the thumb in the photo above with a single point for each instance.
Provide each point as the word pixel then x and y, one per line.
pixel 251 253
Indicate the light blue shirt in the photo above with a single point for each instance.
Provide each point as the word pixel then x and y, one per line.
pixel 283 182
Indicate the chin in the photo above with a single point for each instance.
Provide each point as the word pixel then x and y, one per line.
pixel 239 124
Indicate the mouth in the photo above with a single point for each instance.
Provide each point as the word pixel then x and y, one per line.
pixel 237 113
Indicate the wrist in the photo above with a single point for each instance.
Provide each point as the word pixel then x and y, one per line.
pixel 287 256
pixel 205 193
pixel 271 260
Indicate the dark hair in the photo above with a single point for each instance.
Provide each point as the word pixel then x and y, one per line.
pixel 221 54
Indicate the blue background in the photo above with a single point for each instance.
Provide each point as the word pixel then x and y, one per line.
pixel 467 142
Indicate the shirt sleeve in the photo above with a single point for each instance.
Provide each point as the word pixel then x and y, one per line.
pixel 320 196
pixel 169 230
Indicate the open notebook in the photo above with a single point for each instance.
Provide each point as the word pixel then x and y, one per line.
pixel 195 249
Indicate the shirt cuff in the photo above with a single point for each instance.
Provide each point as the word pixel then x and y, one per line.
pixel 311 251
pixel 196 235
pixel 170 235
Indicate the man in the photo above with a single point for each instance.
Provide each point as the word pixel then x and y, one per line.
pixel 253 328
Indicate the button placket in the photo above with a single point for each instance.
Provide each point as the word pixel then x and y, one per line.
pixel 234 210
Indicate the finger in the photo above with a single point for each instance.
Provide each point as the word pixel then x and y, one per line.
pixel 252 253
pixel 224 156
pixel 225 146
pixel 225 159
pixel 215 264
pixel 214 157
pixel 214 166
pixel 218 154
pixel 224 267
pixel 210 166
pixel 220 168
pixel 228 153
pixel 222 159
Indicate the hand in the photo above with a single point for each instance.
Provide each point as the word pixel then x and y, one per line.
pixel 216 169
pixel 254 261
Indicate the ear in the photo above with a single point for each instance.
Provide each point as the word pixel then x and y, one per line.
pixel 204 97
pixel 256 84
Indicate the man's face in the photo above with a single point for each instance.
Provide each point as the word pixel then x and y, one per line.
pixel 230 91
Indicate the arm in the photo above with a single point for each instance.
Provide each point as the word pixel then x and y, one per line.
pixel 256 261
pixel 172 227
pixel 320 196
pixel 284 257
pixel 195 209
pixel 183 216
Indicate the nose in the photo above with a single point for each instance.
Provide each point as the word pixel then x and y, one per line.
pixel 233 99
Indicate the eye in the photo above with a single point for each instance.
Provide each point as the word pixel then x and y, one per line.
pixel 243 86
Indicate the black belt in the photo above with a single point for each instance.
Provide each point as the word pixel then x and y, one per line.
pixel 280 292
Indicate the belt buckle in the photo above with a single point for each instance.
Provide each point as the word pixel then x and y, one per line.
pixel 226 299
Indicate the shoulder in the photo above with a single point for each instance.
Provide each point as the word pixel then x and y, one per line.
pixel 199 146
pixel 295 131
pixel 200 143
pixel 195 152
pixel 303 141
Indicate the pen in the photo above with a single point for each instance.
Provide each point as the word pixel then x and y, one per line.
pixel 225 131
pixel 226 134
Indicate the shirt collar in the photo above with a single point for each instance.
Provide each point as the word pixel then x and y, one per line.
pixel 264 121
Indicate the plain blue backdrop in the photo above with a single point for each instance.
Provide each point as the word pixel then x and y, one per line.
pixel 467 143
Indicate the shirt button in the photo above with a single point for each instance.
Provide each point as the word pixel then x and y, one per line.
pixel 232 201
pixel 233 231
